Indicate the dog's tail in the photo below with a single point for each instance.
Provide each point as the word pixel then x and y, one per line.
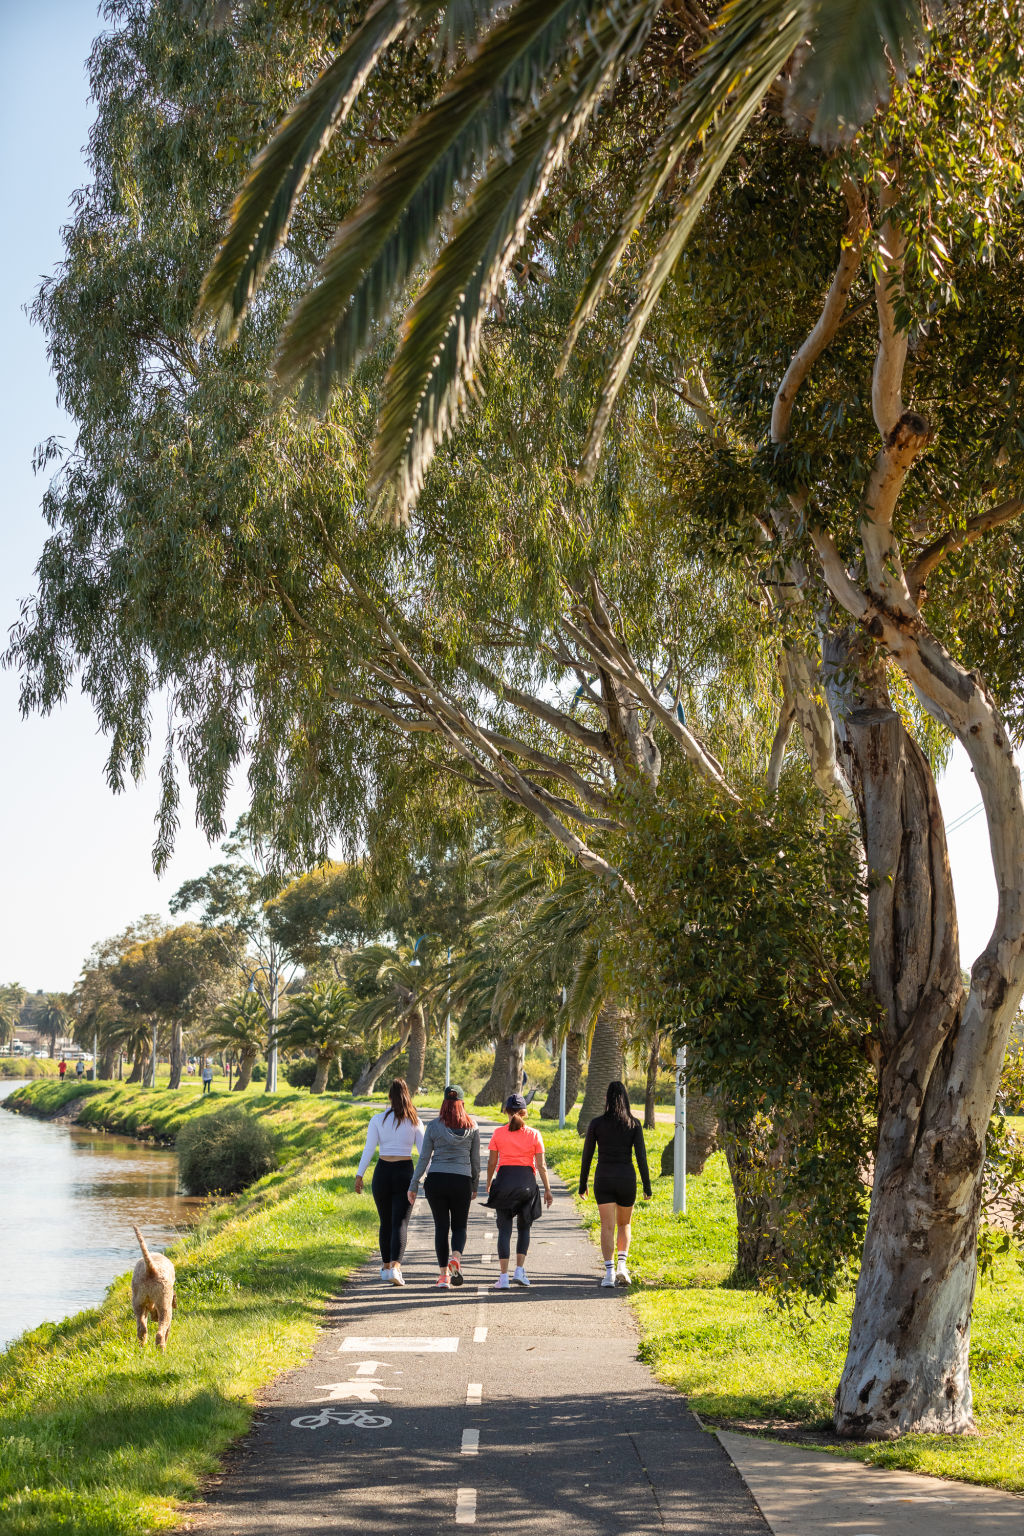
pixel 150 1266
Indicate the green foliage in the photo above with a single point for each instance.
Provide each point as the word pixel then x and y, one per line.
pixel 300 1072
pixel 751 949
pixel 222 1154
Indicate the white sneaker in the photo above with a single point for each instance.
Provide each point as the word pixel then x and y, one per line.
pixel 396 1277
pixel 519 1278
pixel 385 1273
pixel 609 1278
pixel 622 1275
pixel 501 1284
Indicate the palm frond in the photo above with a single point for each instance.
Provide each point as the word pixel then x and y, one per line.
pixel 749 45
pixel 431 375
pixel 378 247
pixel 262 210
pixel 856 45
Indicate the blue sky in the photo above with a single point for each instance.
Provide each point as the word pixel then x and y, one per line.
pixel 75 858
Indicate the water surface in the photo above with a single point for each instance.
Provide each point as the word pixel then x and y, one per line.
pixel 68 1198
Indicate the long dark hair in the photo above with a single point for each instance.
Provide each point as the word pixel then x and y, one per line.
pixel 616 1105
pixel 402 1107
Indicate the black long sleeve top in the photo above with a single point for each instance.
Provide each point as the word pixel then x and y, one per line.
pixel 615 1144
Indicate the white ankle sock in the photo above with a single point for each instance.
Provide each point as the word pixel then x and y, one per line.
pixel 609 1264
pixel 622 1257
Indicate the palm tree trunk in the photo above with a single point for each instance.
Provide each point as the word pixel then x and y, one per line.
pixel 367 1080
pixel 417 1049
pixel 606 1064
pixel 177 1054
pixel 701 1132
pixel 574 1046
pixel 516 1066
pixel 246 1061
pixel 323 1067
pixel 493 1090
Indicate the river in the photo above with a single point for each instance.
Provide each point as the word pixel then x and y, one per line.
pixel 69 1198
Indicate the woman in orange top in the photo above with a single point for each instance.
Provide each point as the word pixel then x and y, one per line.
pixel 512 1193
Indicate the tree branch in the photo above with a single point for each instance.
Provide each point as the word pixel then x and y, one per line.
pixel 956 539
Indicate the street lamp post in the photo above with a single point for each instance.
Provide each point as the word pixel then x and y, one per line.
pixel 448 1026
pixel 679 1145
pixel 561 1076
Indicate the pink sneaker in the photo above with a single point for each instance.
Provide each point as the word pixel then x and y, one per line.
pixel 444 1282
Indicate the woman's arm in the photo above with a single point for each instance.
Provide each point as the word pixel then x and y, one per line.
pixel 542 1169
pixel 588 1156
pixel 474 1162
pixel 640 1148
pixel 492 1163
pixel 426 1152
pixel 372 1141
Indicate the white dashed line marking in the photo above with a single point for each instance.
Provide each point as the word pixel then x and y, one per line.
pixel 474 1394
pixel 410 1345
pixel 465 1506
pixel 470 1442
pixel 479 1335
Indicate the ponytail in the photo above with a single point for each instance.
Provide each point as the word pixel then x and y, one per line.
pixel 517 1120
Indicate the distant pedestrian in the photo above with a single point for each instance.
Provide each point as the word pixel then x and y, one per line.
pixel 79 1067
pixel 62 1067
pixel 512 1190
pixel 451 1150
pixel 395 1133
pixel 617 1136
pixel 207 1077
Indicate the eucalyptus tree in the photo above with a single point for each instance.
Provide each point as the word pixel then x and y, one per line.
pixel 875 523
pixel 174 979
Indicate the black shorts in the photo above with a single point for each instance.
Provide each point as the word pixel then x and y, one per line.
pixel 615 1186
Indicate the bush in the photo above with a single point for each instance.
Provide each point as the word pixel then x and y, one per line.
pixel 219 1154
pixel 301 1072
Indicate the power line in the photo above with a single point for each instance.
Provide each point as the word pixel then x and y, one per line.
pixel 964 818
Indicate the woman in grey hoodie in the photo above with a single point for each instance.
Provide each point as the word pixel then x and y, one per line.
pixel 451 1149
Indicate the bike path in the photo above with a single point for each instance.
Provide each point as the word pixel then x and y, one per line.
pixel 524 1410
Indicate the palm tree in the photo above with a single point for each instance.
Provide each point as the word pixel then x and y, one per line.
pixel 53 1018
pixel 403 983
pixel 463 183
pixel 319 1020
pixel 12 995
pixel 239 1026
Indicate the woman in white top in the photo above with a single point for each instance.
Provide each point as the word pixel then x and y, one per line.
pixel 396 1133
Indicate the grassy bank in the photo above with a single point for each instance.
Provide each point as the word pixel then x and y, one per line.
pixel 98 1438
pixel 739 1361
pixel 26 1066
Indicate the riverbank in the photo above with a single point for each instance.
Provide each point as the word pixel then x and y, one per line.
pixel 743 1365
pixel 26 1066
pixel 98 1438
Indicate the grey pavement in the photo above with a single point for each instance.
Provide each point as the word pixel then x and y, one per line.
pixel 422 1410
pixel 810 1493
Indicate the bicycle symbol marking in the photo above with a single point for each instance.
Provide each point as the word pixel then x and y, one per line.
pixel 357 1416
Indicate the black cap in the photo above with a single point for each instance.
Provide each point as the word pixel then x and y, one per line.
pixel 515 1104
pixel 453 1091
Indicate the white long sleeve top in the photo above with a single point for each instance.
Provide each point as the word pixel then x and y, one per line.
pixel 390 1138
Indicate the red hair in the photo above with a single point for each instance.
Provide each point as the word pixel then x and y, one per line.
pixel 453 1115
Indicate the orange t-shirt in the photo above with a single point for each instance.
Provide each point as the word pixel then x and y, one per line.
pixel 516 1149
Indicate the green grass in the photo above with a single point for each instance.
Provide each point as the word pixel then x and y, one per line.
pixel 98 1438
pixel 26 1066
pixel 739 1360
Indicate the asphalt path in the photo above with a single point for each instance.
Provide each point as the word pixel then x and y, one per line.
pixel 525 1411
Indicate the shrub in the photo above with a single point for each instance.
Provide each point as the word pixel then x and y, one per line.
pixel 219 1154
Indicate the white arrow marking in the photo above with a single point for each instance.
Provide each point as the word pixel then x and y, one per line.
pixel 358 1391
pixel 368 1367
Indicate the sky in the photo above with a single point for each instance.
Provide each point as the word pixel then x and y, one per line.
pixel 75 858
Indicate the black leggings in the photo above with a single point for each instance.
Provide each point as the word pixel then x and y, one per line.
pixel 522 1220
pixel 448 1195
pixel 390 1188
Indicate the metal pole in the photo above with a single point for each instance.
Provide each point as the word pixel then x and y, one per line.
pixel 679 1145
pixel 448 1028
pixel 561 1079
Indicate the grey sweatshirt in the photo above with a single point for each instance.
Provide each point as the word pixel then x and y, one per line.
pixel 447 1151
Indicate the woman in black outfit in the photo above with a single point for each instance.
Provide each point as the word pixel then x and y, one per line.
pixel 617 1135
